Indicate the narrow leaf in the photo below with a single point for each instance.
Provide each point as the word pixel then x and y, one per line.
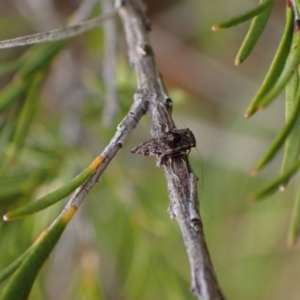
pixel 294 229
pixel 11 93
pixel 277 63
pixel 23 185
pixel 258 25
pixel 20 283
pixel 10 66
pixel 9 270
pixel 244 17
pixel 12 187
pixel 292 144
pixel 274 186
pixel 280 137
pixel 6 133
pixel 288 71
pixel 39 57
pixel 55 196
pixel 28 111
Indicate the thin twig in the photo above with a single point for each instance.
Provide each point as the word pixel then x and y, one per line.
pixel 180 178
pixel 137 110
pixel 58 34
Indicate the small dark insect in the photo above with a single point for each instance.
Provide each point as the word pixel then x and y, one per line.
pixel 171 143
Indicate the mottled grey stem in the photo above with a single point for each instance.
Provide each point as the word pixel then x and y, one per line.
pixel 181 181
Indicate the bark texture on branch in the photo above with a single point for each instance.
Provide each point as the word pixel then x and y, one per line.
pixel 181 181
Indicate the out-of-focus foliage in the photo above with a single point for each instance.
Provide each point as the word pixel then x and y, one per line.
pixel 122 244
pixel 283 73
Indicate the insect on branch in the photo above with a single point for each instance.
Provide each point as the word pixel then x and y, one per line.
pixel 169 145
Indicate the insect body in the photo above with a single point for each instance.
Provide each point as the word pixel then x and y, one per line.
pixel 173 142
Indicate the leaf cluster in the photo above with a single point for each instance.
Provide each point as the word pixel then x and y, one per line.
pixel 282 74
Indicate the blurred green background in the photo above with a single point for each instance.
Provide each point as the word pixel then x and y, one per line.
pixel 122 243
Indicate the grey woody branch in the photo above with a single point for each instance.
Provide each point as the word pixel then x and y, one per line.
pixel 181 181
pixel 58 34
pixel 137 110
pixel 151 96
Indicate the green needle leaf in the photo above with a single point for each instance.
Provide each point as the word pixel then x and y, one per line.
pixel 28 110
pixel 20 283
pixel 12 187
pixel 275 185
pixel 9 270
pixel 281 136
pixel 23 185
pixel 11 93
pixel 288 71
pixel 277 63
pixel 6 133
pixel 55 196
pixel 244 17
pixel 294 229
pixel 39 57
pixel 10 66
pixel 258 24
pixel 292 144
